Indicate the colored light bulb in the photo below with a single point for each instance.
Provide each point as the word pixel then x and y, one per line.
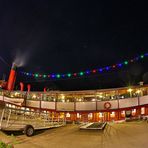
pixel 126 62
pixel 63 75
pixel 36 75
pixel 69 75
pixel 137 58
pixel 142 56
pixel 87 72
pixel 58 76
pixel 131 60
pixel 114 66
pixel 100 69
pixel 53 76
pixel 120 65
pixel 94 71
pixel 75 74
pixel 44 76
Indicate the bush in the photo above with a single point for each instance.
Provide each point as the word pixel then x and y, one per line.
pixel 4 145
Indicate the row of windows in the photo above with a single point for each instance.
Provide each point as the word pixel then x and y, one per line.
pixel 98 96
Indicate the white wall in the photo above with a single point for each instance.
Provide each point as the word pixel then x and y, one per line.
pixel 65 106
pixel 81 106
pixel 114 104
pixel 129 102
pixel 16 101
pixel 143 100
pixel 48 105
pixel 84 106
pixel 31 103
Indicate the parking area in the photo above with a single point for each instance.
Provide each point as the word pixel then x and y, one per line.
pixel 129 135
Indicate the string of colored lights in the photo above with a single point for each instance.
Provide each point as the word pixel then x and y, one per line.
pixel 87 72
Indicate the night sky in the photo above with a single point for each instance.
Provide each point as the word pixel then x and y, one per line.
pixel 65 36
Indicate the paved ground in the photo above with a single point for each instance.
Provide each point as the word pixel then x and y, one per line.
pixel 125 135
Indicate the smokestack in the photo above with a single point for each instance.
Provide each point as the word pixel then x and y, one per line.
pixel 12 77
pixel 28 87
pixel 45 89
pixel 21 86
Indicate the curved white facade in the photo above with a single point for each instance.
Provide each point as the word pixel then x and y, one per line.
pixel 81 106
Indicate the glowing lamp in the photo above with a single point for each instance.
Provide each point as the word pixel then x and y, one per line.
pixel 130 90
pixel 138 91
pixel 34 96
pixel 16 93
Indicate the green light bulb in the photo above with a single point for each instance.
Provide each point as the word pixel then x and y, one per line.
pixel 142 56
pixel 44 76
pixel 81 73
pixel 36 75
pixel 69 75
pixel 58 76
pixel 126 62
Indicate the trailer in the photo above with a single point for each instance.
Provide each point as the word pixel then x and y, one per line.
pixel 14 118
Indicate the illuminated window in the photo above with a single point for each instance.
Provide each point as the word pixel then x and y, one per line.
pixel 112 115
pixel 78 115
pixel 100 115
pixel 123 113
pixel 90 115
pixel 68 115
pixel 133 112
pixel 143 110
